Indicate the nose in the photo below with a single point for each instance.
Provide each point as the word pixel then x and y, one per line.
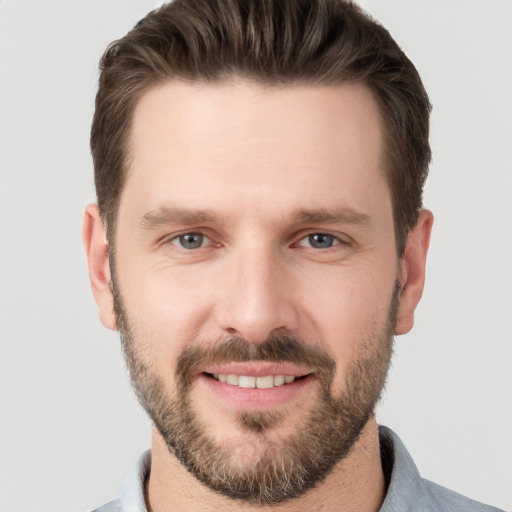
pixel 257 297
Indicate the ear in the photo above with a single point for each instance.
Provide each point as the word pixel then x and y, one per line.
pixel 413 271
pixel 96 248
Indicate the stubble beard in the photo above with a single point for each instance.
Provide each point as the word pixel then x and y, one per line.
pixel 258 467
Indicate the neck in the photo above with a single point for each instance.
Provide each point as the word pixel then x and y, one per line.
pixel 356 484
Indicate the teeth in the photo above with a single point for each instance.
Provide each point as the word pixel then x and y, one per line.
pixel 248 381
pixel 278 380
pixel 232 379
pixel 265 382
pixel 245 381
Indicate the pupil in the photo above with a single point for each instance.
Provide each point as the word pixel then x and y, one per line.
pixel 320 241
pixel 192 241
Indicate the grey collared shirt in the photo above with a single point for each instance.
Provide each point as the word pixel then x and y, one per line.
pixel 407 491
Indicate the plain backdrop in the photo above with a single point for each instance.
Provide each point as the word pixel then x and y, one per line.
pixel 69 425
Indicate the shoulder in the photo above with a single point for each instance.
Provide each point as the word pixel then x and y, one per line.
pixel 409 492
pixel 112 506
pixel 442 498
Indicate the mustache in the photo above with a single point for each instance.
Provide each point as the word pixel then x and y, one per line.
pixel 277 348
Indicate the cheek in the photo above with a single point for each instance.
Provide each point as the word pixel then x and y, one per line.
pixel 166 311
pixel 347 309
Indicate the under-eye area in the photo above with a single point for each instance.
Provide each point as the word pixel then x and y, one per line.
pixel 251 382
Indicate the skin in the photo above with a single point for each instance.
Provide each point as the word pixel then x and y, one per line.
pixel 260 161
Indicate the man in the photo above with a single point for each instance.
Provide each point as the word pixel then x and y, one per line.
pixel 258 241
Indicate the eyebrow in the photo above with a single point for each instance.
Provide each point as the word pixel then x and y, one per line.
pixel 165 216
pixel 337 216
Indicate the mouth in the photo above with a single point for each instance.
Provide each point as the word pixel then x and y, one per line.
pixel 256 385
pixel 253 382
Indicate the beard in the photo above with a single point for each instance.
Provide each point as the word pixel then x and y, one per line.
pixel 259 467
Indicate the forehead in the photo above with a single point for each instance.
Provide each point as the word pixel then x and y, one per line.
pixel 295 144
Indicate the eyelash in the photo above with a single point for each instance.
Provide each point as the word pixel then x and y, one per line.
pixel 334 240
pixel 189 234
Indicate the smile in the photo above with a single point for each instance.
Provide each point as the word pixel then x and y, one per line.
pixel 251 382
pixel 256 386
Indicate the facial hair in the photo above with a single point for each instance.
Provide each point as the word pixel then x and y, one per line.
pixel 279 469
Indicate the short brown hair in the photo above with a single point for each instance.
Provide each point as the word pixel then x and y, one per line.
pixel 275 42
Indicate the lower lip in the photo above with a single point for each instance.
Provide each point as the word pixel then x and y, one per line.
pixel 254 398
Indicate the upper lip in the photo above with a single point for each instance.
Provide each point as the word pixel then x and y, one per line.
pixel 258 369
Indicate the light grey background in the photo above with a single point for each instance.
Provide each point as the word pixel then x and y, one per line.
pixel 69 425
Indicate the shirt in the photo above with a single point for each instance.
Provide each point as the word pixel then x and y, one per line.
pixel 407 491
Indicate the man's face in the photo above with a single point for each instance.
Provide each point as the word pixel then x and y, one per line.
pixel 255 244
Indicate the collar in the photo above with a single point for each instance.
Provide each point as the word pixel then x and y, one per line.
pixel 132 494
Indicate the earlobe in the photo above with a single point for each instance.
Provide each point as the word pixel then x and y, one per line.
pixel 96 248
pixel 413 271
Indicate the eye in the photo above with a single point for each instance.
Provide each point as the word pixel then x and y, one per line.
pixel 319 241
pixel 190 241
